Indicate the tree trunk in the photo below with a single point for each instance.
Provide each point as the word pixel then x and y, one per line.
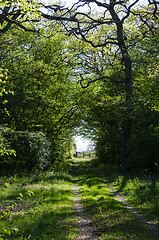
pixel 128 88
pixel 128 115
pixel 126 145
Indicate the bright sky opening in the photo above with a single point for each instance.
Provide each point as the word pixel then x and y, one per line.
pixel 82 144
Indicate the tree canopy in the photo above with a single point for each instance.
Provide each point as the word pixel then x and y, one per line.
pixel 110 48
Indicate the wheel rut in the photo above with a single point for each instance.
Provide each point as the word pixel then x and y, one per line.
pixel 119 197
pixel 84 224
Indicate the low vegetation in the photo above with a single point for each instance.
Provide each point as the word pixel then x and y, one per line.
pixel 37 207
pixel 41 206
pixel 140 189
pixel 111 220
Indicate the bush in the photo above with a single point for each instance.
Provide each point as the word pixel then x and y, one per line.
pixel 109 146
pixel 145 140
pixel 32 150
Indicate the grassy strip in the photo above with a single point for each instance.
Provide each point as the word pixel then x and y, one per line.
pixel 37 207
pixel 141 191
pixel 110 219
pixel 42 206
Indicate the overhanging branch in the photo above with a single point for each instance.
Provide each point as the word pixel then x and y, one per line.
pixel 103 78
pixel 15 22
pixel 129 10
pixel 59 18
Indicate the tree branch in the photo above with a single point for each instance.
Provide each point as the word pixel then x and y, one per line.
pixel 100 4
pixel 155 3
pixel 15 22
pixel 97 79
pixel 5 11
pixel 59 18
pixel 129 10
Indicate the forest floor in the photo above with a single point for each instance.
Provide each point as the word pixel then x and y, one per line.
pixel 73 201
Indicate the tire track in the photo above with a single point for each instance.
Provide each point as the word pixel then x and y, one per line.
pixel 119 197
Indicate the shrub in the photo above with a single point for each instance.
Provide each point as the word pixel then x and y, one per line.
pixel 32 150
pixel 145 140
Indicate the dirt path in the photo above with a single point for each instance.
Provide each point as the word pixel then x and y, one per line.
pixel 83 222
pixel 142 218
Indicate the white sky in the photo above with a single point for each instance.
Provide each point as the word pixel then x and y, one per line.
pixel 82 144
pixel 69 2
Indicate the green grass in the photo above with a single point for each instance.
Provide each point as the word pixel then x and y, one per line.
pixel 140 190
pixel 37 207
pixel 41 206
pixel 111 220
pixel 142 194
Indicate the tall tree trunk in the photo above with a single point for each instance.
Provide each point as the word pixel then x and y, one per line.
pixel 128 114
pixel 128 88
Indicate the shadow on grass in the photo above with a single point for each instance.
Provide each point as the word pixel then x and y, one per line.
pixel 46 224
pixel 50 214
pixel 128 229
pixel 123 183
pixel 141 190
pixel 111 220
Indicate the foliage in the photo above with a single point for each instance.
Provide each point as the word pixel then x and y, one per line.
pixel 145 139
pixel 101 105
pixel 32 151
pixel 4 148
pixel 114 97
pixel 39 100
pixel 145 135
pixel 18 13
pixel 104 105
pixel 40 96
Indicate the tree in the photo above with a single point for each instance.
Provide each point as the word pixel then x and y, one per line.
pixel 111 21
pixel 40 78
pixel 39 89
pixel 144 135
pixel 113 16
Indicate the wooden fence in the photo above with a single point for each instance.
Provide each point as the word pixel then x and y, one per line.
pixel 87 154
